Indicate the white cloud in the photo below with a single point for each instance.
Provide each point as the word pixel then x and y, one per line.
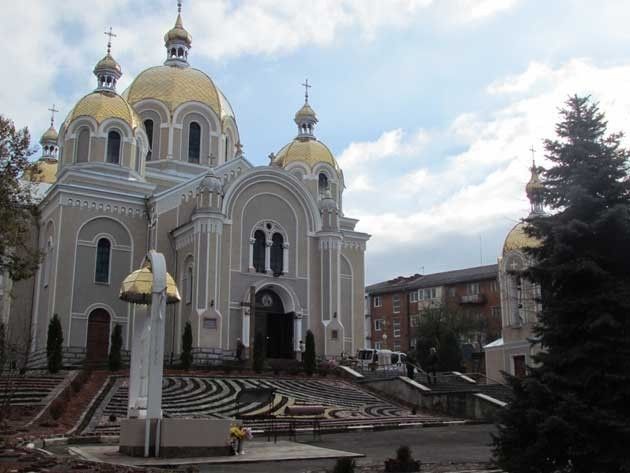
pixel 480 188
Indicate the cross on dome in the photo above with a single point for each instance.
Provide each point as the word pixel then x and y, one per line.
pixel 306 86
pixel 52 111
pixel 109 41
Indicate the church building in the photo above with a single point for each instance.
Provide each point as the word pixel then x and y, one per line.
pixel 160 165
pixel 520 298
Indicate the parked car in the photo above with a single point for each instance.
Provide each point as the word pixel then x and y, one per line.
pixel 385 360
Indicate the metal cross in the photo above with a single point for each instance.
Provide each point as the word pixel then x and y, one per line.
pixel 52 110
pixel 179 6
pixel 109 41
pixel 533 154
pixel 306 86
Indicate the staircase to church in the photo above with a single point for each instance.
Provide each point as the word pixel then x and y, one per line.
pixel 347 405
pixel 28 390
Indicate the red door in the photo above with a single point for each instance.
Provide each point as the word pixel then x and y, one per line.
pixel 520 368
pixel 97 345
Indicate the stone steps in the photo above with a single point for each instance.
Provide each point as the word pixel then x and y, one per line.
pixel 345 404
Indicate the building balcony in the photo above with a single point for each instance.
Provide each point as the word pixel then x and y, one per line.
pixel 472 299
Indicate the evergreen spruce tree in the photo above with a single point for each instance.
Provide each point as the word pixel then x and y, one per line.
pixel 259 353
pixel 54 345
pixel 187 340
pixel 115 350
pixel 310 363
pixel 571 413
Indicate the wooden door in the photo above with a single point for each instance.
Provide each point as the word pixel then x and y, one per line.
pixel 520 368
pixel 97 344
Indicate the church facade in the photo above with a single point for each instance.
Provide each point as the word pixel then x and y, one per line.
pixel 161 166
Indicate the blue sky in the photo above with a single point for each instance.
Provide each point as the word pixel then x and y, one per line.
pixel 430 106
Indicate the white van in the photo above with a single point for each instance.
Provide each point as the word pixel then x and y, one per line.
pixel 385 359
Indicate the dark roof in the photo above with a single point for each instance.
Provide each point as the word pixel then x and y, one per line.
pixel 418 281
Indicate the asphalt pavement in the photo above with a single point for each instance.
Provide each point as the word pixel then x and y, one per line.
pixel 450 444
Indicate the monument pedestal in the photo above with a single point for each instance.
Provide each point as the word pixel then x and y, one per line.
pixel 178 437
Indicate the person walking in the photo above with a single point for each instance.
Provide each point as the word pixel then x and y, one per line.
pixel 411 368
pixel 240 348
pixel 432 363
pixel 302 350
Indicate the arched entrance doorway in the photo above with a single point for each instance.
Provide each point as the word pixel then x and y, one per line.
pixel 97 343
pixel 275 324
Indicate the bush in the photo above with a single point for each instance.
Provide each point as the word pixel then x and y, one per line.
pixel 187 340
pixel 403 462
pixel 259 352
pixel 54 345
pixel 115 355
pixel 309 354
pixel 344 465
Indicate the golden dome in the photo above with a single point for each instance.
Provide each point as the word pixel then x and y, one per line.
pixel 305 111
pixel 174 86
pixel 44 170
pixel 178 32
pixel 308 151
pixel 517 239
pixel 108 62
pixel 137 287
pixel 49 135
pixel 534 185
pixel 103 105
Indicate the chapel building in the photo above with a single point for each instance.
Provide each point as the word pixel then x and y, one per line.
pixel 160 166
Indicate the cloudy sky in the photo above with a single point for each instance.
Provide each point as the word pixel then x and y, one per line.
pixel 429 105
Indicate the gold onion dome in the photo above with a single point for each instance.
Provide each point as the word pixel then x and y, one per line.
pixel 309 151
pixel 174 86
pixel 107 63
pixel 305 112
pixel 534 187
pixel 178 33
pixel 49 135
pixel 103 105
pixel 137 287
pixel 517 239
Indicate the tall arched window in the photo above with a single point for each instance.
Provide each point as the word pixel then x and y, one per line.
pixel 277 254
pixel 113 147
pixel 148 127
pixel 189 285
pixel 194 143
pixel 103 251
pixel 83 146
pixel 48 261
pixel 259 251
pixel 323 182
pixel 138 155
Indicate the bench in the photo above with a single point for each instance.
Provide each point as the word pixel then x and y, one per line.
pixel 307 415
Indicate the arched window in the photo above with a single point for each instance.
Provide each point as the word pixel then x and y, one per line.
pixel 83 146
pixel 103 251
pixel 113 147
pixel 189 285
pixel 47 261
pixel 148 127
pixel 138 155
pixel 259 251
pixel 277 254
pixel 194 143
pixel 323 182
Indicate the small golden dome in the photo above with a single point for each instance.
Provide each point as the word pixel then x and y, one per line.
pixel 103 105
pixel 43 170
pixel 174 86
pixel 108 62
pixel 49 135
pixel 137 287
pixel 305 111
pixel 517 239
pixel 309 151
pixel 178 33
pixel 534 185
